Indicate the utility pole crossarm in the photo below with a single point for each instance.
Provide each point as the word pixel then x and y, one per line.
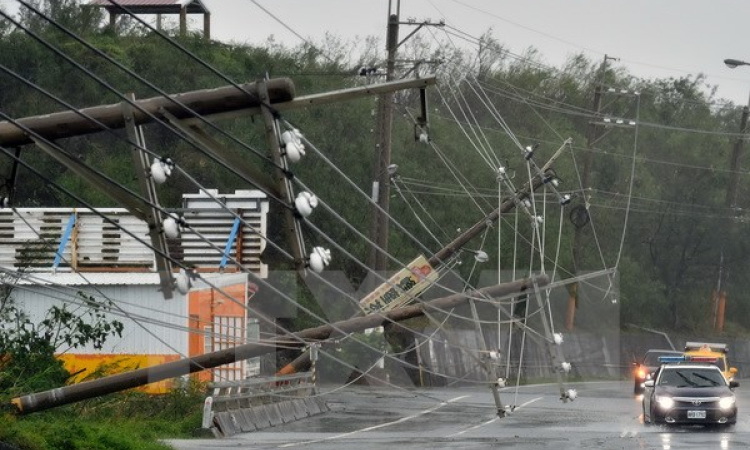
pixel 326 98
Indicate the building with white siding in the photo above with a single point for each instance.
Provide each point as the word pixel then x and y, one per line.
pixel 53 255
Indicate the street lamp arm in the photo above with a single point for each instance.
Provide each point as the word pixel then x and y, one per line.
pixel 734 63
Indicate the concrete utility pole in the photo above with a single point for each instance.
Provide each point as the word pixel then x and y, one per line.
pixel 381 178
pixel 734 162
pixel 592 137
pixel 378 260
pixel 182 111
pixel 116 383
pixel 203 102
pixel 302 362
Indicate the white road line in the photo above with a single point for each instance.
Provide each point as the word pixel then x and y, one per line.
pixel 528 386
pixel 474 427
pixel 375 427
pixel 529 402
pixel 492 420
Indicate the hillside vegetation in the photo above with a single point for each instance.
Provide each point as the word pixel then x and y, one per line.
pixel 681 233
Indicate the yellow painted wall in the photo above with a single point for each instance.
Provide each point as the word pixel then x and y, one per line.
pixel 87 367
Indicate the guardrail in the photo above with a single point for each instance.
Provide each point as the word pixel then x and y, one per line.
pixel 259 403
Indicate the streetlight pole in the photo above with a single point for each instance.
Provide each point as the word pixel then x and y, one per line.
pixel 718 299
pixel 734 162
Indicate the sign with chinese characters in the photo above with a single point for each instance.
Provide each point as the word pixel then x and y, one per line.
pixel 401 287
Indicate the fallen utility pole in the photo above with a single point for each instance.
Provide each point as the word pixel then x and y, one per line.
pixel 302 362
pixel 226 102
pixel 120 382
pixel 508 204
pixel 203 102
pixel 185 111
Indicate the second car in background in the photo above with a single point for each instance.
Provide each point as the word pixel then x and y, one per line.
pixel 647 365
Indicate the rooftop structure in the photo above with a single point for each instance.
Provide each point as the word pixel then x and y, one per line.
pixel 68 240
pixel 158 7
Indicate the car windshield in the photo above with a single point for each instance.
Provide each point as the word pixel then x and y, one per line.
pixel 691 377
pixel 651 359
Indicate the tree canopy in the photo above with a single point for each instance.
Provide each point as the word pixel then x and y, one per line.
pixel 661 184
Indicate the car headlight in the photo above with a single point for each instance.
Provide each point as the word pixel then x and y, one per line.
pixel 665 402
pixel 726 402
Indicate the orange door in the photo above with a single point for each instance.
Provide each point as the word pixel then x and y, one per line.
pixel 217 321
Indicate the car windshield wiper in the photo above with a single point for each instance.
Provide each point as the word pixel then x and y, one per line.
pixel 703 377
pixel 687 380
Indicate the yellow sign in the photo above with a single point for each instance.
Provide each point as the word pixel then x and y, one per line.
pixel 86 367
pixel 401 287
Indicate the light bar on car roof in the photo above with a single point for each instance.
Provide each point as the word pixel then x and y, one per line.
pixel 672 359
pixel 703 359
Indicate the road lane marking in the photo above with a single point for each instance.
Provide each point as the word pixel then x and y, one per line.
pixel 529 402
pixel 527 386
pixel 375 427
pixel 474 427
pixel 493 419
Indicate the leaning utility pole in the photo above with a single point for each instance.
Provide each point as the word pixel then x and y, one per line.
pixel 302 362
pixel 116 383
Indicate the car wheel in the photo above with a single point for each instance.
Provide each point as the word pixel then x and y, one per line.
pixel 637 389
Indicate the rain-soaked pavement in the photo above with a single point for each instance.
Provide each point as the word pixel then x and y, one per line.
pixel 606 415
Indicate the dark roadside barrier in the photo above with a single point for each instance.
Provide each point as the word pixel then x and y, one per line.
pixel 260 403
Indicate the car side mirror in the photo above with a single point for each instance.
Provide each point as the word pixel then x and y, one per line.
pixel 648 383
pixel 734 384
pixel 732 370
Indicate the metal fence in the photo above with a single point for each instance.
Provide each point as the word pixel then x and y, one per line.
pixel 259 403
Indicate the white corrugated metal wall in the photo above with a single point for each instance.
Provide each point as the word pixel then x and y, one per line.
pixel 165 319
pixel 120 268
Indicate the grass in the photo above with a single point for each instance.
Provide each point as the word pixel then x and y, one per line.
pixel 118 422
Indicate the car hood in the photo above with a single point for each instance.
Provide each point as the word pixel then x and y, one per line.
pixel 672 391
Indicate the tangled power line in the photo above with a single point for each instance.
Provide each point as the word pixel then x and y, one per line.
pixel 459 107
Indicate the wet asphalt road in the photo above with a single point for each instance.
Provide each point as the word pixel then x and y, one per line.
pixel 606 415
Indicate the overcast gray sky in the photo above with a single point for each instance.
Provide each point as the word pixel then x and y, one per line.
pixel 652 38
